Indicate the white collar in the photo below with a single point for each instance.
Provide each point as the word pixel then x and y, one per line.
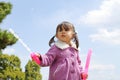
pixel 63 45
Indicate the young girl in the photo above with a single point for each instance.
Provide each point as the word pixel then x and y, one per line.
pixel 63 56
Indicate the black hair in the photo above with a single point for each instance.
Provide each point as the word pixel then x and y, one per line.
pixel 67 26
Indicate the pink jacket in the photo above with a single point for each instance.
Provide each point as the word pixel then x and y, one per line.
pixel 64 63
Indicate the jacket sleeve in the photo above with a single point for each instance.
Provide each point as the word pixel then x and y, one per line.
pixel 48 58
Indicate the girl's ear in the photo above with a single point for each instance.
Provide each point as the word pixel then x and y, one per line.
pixel 74 34
pixel 56 35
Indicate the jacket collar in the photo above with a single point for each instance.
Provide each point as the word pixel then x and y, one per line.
pixel 63 45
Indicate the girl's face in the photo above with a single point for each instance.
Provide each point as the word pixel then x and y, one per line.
pixel 65 35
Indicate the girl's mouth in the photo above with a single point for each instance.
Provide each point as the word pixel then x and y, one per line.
pixel 62 35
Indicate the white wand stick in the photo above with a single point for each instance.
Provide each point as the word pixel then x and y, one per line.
pixel 21 41
pixel 33 55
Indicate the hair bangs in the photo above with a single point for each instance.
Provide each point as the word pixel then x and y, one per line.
pixel 66 27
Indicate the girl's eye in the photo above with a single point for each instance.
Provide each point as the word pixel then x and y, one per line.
pixel 67 30
pixel 60 30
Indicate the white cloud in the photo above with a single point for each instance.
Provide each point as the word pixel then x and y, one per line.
pixel 108 13
pixel 102 67
pixel 103 35
pixel 107 16
pixel 103 71
pixel 9 51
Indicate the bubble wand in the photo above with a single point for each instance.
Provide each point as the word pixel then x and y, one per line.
pixel 33 55
pixel 87 61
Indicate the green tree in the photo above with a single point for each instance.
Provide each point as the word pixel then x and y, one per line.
pixel 6 39
pixel 10 68
pixel 5 9
pixel 32 71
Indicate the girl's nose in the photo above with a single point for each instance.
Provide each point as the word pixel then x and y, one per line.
pixel 63 31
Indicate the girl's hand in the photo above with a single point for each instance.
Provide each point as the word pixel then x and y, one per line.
pixel 37 54
pixel 36 57
pixel 84 75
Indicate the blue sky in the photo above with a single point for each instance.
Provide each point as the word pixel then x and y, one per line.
pixel 96 21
